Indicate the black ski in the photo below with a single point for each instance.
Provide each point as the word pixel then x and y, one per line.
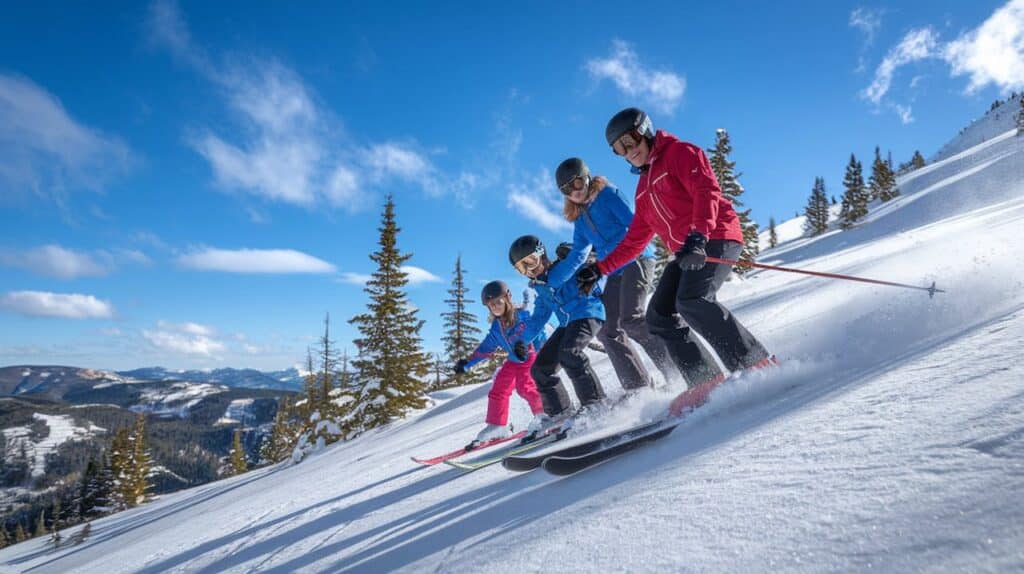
pixel 527 462
pixel 563 465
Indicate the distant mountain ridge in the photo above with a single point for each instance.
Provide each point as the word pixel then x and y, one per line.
pixel 285 380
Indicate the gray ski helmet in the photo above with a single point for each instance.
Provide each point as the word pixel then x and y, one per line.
pixel 563 249
pixel 569 170
pixel 628 120
pixel 494 290
pixel 524 246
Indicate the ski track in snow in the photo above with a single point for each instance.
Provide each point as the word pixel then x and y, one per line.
pixel 890 438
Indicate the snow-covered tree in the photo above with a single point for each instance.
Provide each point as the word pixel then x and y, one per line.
pixel 461 333
pixel 1020 117
pixel 773 237
pixel 392 364
pixel 283 435
pixel 728 180
pixel 817 210
pixel 855 198
pixel 136 487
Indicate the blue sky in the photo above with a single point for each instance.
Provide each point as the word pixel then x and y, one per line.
pixel 196 184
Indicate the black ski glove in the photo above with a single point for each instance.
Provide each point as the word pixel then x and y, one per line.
pixel 692 256
pixel 460 366
pixel 521 351
pixel 587 277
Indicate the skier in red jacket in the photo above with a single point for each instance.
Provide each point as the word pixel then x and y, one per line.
pixel 679 199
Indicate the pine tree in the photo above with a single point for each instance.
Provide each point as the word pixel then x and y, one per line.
pixel 85 503
pixel 136 487
pixel 40 525
pixel 278 446
pixel 1020 117
pixel 461 333
pixel 5 540
pixel 19 534
pixel 661 258
pixel 238 462
pixel 817 210
pixel 855 199
pixel 328 356
pixel 119 470
pixel 773 237
pixel 882 183
pixel 917 162
pixel 391 363
pixel 732 190
pixel 311 388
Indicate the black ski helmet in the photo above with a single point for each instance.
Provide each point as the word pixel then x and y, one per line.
pixel 569 170
pixel 524 246
pixel 629 119
pixel 494 290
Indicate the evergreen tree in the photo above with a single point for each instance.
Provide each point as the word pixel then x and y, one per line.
pixel 817 210
pixel 344 375
pixel 86 501
pixel 102 488
pixel 136 487
pixel 1020 117
pixel 310 387
pixel 5 539
pixel 278 446
pixel 661 258
pixel 728 180
pixel 461 333
pixel 40 525
pixel 391 363
pixel 855 199
pixel 917 162
pixel 773 237
pixel 238 462
pixel 19 534
pixel 883 179
pixel 119 470
pixel 328 356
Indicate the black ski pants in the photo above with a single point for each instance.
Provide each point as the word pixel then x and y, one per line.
pixel 686 299
pixel 566 347
pixel 625 301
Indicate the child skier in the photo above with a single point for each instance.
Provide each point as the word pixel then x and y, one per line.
pixel 507 326
pixel 580 316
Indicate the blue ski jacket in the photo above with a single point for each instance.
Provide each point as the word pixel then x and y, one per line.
pixel 499 337
pixel 565 301
pixel 601 225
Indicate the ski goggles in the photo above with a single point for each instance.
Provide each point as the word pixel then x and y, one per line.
pixel 626 142
pixel 575 184
pixel 530 262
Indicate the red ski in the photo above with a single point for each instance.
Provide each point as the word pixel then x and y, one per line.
pixel 462 451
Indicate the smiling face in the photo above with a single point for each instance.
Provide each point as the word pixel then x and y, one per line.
pixel 531 266
pixel 496 306
pixel 633 147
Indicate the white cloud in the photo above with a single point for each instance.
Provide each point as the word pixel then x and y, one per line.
pixel 993 53
pixel 44 151
pixel 664 90
pixel 867 21
pixel 904 112
pixel 54 261
pixel 354 278
pixel 254 261
pixel 184 338
pixel 417 275
pixel 61 305
pixel 535 201
pixel 916 45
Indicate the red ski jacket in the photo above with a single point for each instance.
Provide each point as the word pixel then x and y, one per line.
pixel 677 194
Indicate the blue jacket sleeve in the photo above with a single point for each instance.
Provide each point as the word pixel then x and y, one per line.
pixel 566 268
pixel 486 348
pixel 620 207
pixel 535 323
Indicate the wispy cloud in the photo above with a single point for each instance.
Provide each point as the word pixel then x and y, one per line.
pixel 538 201
pixel 291 148
pixel 418 275
pixel 254 261
pixel 991 54
pixel 184 338
pixel 354 278
pixel 63 263
pixel 58 305
pixel 661 89
pixel 868 21
pixel 47 153
pixel 916 45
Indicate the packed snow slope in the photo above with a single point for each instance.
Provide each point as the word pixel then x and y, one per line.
pixel 892 438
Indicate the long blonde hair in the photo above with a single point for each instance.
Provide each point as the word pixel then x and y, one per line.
pixel 572 210
pixel 508 318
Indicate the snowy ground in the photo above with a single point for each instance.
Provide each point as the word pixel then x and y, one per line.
pixel 62 428
pixel 892 439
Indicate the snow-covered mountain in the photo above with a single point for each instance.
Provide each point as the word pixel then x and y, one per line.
pixel 891 438
pixel 284 380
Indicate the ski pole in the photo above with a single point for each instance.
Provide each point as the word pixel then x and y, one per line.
pixel 931 290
